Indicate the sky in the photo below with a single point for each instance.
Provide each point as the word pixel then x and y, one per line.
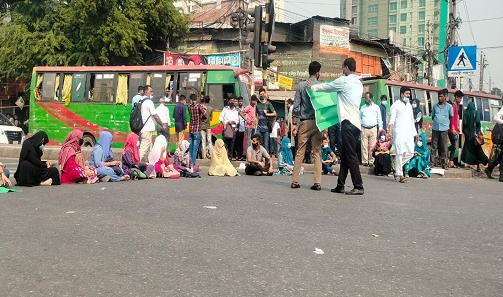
pixel 481 26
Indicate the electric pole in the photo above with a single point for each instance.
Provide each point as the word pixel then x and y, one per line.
pixel 482 66
pixel 451 37
pixel 429 54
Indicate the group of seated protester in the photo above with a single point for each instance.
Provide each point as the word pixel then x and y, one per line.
pixel 418 166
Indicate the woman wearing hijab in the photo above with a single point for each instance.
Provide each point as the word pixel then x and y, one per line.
pixel 418 115
pixel 382 163
pixel 31 170
pixel 419 165
pixel 71 161
pixel 102 159
pixel 472 153
pixel 285 157
pixel 220 164
pixel 131 160
pixel 182 159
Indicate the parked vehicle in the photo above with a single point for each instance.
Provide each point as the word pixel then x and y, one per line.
pixel 9 133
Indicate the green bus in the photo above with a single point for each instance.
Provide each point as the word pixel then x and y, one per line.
pixel 487 104
pixel 98 98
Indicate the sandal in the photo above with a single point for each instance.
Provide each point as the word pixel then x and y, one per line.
pixel 403 180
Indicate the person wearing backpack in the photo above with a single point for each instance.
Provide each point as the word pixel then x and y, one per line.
pixel 149 115
pixel 498 119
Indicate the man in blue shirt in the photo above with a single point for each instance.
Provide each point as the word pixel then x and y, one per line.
pixel 139 96
pixel 441 115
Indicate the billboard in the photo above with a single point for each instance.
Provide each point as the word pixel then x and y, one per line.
pixel 217 59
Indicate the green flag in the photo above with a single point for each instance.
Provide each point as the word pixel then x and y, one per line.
pixel 4 190
pixel 325 106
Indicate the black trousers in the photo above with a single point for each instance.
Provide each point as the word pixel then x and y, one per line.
pixel 253 167
pixel 238 144
pixel 349 156
pixel 334 134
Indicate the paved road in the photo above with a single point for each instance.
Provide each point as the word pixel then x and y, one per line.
pixel 434 237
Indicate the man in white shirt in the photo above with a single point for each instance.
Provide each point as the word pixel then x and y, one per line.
pixel 349 90
pixel 498 119
pixel 370 116
pixel 229 116
pixel 149 115
pixel 139 96
pixel 274 139
pixel 163 113
pixel 403 130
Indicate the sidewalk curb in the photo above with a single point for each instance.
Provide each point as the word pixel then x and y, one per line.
pixel 51 153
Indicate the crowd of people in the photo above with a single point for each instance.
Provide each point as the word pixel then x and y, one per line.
pixel 254 133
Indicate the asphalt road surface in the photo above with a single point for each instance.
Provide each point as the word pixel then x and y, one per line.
pixel 434 237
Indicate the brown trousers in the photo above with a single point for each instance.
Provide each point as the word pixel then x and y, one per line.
pixel 308 130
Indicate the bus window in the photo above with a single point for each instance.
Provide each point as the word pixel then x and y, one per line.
pixel 433 98
pixel 243 92
pixel 136 79
pixel 103 90
pixel 48 83
pixel 394 94
pixel 421 96
pixel 189 83
pixel 494 109
pixel 478 103
pixel 486 113
pixel 219 94
pixel 451 97
pixel 158 84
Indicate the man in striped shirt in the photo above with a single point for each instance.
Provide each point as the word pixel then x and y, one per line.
pixel 197 113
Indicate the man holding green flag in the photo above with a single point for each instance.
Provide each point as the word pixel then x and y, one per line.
pixel 349 90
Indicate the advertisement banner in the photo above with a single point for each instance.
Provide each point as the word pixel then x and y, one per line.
pixel 183 59
pixel 228 59
pixel 334 40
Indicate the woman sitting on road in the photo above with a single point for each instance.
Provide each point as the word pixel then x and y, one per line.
pixel 31 170
pixel 182 159
pixel 131 160
pixel 419 165
pixel 159 159
pixel 102 159
pixel 220 164
pixel 285 158
pixel 71 161
pixel 382 163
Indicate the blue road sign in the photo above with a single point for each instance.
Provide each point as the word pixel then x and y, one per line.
pixel 462 59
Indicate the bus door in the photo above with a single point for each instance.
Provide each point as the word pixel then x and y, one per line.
pixel 79 87
pixel 104 90
pixel 136 79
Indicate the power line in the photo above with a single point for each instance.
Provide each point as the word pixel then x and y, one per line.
pixel 483 20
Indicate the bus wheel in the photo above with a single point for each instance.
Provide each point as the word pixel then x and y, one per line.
pixel 89 140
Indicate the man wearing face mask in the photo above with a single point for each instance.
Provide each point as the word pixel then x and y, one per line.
pixel 403 131
pixel 264 111
pixel 259 161
pixel 441 115
pixel 382 107
pixel 229 117
pixel 349 90
pixel 370 116
pixel 308 131
pixel 149 115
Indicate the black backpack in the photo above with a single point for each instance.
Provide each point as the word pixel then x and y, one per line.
pixel 497 133
pixel 135 120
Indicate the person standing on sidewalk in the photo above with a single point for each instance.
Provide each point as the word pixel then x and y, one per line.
pixel 206 141
pixel 349 90
pixel 370 116
pixel 265 110
pixel 303 111
pixel 498 119
pixel 197 114
pixel 150 117
pixel 441 115
pixel 403 132
pixel 163 113
pixel 249 113
pixel 454 128
pixel 229 118
pixel 180 116
pixel 240 133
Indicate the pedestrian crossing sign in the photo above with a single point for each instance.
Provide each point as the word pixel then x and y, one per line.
pixel 461 60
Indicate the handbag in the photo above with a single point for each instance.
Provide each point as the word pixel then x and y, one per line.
pixel 228 131
pixel 169 171
pixel 479 138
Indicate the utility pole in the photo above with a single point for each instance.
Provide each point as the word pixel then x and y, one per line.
pixel 454 23
pixel 429 54
pixel 482 66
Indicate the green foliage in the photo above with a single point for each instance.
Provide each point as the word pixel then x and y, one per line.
pixel 85 32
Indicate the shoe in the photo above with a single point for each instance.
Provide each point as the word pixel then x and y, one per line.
pixel 294 186
pixel 316 187
pixel 339 190
pixel 501 179
pixel 355 192
pixel 46 182
pixel 488 173
pixel 371 164
pixel 365 164
pixel 105 179
pixel 257 173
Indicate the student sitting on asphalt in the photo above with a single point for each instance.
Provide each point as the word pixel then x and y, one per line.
pixel 259 161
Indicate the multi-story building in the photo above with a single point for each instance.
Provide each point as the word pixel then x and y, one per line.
pixel 417 22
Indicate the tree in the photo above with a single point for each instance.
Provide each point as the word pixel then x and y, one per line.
pixel 85 32
pixel 496 91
